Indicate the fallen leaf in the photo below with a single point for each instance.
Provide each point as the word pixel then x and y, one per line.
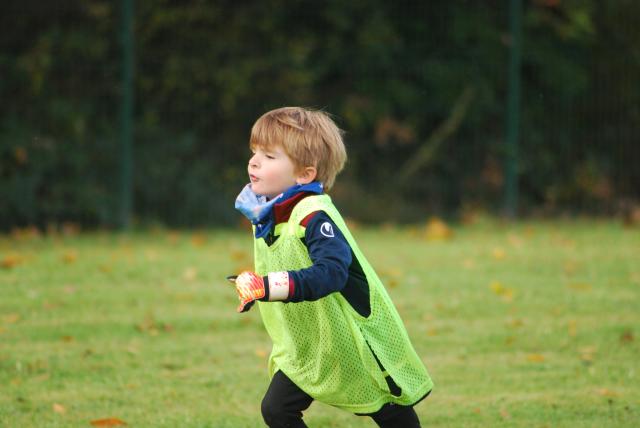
pixel 535 358
pixel 198 239
pixel 497 287
pixel 499 253
pixel 587 354
pixel 11 318
pixel 70 256
pixel 504 414
pixel 67 339
pixel 190 274
pixel 239 255
pixel 59 408
pixel 261 353
pixel 501 290
pixel 11 260
pixel 108 422
pixel 572 328
pixel 515 323
pixel 171 366
pixel 432 332
pixel 580 287
pixel 49 305
pixel 20 154
pixel 607 393
pixel 437 230
pixel 626 337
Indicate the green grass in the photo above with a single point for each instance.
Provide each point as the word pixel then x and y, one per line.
pixel 527 325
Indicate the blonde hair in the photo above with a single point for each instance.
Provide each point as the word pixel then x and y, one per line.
pixel 308 137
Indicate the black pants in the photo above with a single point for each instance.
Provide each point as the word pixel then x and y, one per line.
pixel 284 402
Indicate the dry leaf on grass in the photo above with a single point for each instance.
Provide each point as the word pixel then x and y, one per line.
pixel 11 260
pixel 70 256
pixel 626 337
pixel 572 328
pixel 499 253
pixel 502 291
pixel 580 287
pixel 535 358
pixel 605 392
pixel 11 318
pixel 190 274
pixel 108 422
pixel 437 230
pixel 587 354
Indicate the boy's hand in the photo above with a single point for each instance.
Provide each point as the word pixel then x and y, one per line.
pixel 250 287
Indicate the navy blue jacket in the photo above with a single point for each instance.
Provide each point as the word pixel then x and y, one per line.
pixel 334 269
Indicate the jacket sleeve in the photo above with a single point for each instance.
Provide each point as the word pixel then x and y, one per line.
pixel 331 256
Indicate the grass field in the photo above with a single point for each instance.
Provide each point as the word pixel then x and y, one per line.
pixel 531 324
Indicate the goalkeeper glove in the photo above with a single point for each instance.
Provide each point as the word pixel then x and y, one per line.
pixel 251 287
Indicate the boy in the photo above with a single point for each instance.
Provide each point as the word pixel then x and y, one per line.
pixel 337 338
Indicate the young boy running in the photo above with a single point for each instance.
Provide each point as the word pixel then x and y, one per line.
pixel 337 337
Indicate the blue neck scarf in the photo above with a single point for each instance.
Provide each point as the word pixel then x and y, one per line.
pixel 259 210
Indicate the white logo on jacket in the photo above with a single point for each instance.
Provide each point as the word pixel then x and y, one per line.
pixel 327 230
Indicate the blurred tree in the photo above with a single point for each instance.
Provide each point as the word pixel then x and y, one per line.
pixel 392 73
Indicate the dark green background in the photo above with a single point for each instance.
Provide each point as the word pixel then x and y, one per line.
pixel 391 73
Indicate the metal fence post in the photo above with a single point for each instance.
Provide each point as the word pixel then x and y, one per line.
pixel 513 110
pixel 126 117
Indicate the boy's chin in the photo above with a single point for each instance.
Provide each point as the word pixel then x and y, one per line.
pixel 262 192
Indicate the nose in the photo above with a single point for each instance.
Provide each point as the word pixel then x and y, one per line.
pixel 253 162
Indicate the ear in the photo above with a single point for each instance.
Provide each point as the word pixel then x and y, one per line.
pixel 307 175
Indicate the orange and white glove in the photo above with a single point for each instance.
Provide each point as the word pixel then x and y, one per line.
pixel 251 287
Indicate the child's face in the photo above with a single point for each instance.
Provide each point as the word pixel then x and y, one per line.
pixel 271 171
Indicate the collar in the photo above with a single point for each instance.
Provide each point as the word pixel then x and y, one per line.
pixel 264 214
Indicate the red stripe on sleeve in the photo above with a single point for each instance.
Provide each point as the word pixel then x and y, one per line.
pixel 292 287
pixel 308 218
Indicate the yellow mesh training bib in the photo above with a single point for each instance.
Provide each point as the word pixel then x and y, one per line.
pixel 325 347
